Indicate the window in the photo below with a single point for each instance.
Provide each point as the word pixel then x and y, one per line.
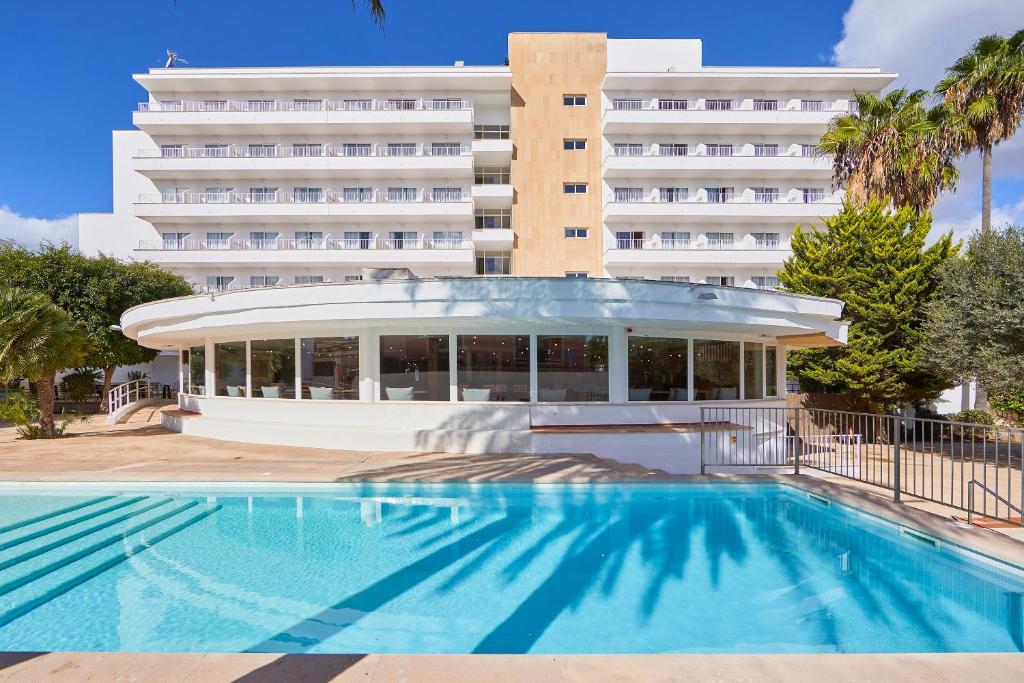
pixel 766 150
pixel 629 194
pixel 766 195
pixel 574 188
pixel 492 219
pixel 720 195
pixel 262 240
pixel 195 374
pixel 309 149
pixel 658 369
pixel 811 105
pixel 628 149
pixel 229 368
pixel 676 278
pixel 353 278
pixel 172 151
pixel 447 103
pixel 445 149
pixel 672 195
pixel 812 194
pixel 572 368
pixel 673 149
pixel 718 149
pixel 492 175
pixel 576 233
pixel 675 239
pixel 262 150
pixel 494 263
pixel 716 370
pixel 329 368
pixel 213 151
pixel 446 194
pixel 308 279
pixel 720 240
pixel 771 371
pixel 493 367
pixel 401 194
pixel 263 195
pixel 400 149
pixel 357 194
pixel 355 149
pixel 766 105
pixel 219 283
pixel 356 105
pixel 174 240
pixel 217 105
pixel 576 274
pixel 303 104
pixel 574 100
pixel 767 282
pixel 272 368
pixel 401 239
pixel 718 105
pixel 219 240
pixel 259 105
pixel 574 143
pixel 627 104
pixel 629 240
pixel 263 280
pixel 399 104
pixel 446 239
pixel 414 368
pixel 486 131
pixel 308 195
pixel 808 150
pixel 676 105
pixel 766 240
pixel 309 239
pixel 721 280
pixel 356 239
pixel 753 370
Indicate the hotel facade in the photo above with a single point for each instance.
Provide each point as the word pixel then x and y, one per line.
pixel 522 203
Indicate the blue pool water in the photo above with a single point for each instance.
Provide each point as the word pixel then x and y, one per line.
pixel 487 568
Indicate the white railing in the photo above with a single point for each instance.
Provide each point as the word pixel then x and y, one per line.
pixel 653 197
pixel 319 196
pixel 124 394
pixel 661 244
pixel 306 150
pixel 271 105
pixel 326 243
pixel 721 104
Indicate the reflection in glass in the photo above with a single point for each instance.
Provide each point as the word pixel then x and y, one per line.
pixel 197 370
pixel 272 363
pixel 330 368
pixel 494 367
pixel 771 371
pixel 657 369
pixel 753 370
pixel 572 368
pixel 229 368
pixel 716 370
pixel 414 368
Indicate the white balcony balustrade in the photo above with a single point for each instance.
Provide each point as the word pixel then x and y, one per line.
pixel 406 195
pixel 748 150
pixel 326 243
pixel 271 105
pixel 714 104
pixel 315 150
pixel 642 196
pixel 698 243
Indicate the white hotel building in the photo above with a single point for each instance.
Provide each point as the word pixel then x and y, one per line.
pixel 584 157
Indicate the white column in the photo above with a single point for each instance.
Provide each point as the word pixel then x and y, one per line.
pixel 298 367
pixel 181 372
pixel 369 377
pixel 453 368
pixel 690 395
pixel 780 370
pixel 618 365
pixel 533 368
pixel 210 376
pixel 743 372
pixel 248 369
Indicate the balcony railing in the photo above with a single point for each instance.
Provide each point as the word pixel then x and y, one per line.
pixel 325 243
pixel 656 104
pixel 271 105
pixel 453 195
pixel 659 244
pixel 304 151
pixel 751 150
pixel 647 197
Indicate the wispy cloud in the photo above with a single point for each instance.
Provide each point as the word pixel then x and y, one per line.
pixel 31 232
pixel 919 39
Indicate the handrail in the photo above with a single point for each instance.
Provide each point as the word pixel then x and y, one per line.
pixel 304 150
pixel 988 490
pixel 439 103
pixel 129 392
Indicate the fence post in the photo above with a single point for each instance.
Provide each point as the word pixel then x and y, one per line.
pixel 896 476
pixel 702 440
pixel 796 443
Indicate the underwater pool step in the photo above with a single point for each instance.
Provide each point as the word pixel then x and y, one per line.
pixel 59 578
pixel 53 528
pixel 54 513
pixel 48 543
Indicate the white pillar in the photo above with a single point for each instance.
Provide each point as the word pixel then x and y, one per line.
pixel 453 368
pixel 780 370
pixel 181 372
pixel 690 396
pixel 533 368
pixel 248 369
pixel 298 367
pixel 369 377
pixel 618 365
pixel 210 375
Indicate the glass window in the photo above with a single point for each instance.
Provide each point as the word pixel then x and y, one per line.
pixel 716 370
pixel 577 274
pixel 492 175
pixel 574 188
pixel 330 368
pixel 771 371
pixel 574 100
pixel 229 368
pixel 272 364
pixel 657 369
pixel 197 370
pixel 574 143
pixel 414 368
pixel 492 219
pixel 572 368
pixel 483 131
pixel 494 263
pixel 494 367
pixel 753 370
pixel 576 233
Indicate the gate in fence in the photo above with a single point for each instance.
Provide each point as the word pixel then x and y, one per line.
pixel 972 467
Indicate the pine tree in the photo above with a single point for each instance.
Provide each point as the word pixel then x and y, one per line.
pixel 875 260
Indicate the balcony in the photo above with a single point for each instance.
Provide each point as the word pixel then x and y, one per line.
pixel 310 160
pixel 747 206
pixel 492 152
pixel 497 239
pixel 440 205
pixel 492 196
pixel 375 251
pixel 654 161
pixel 655 251
pixel 654 115
pixel 179 117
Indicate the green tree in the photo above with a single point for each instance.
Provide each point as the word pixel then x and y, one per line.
pixel 38 340
pixel 892 149
pixel 986 87
pixel 875 260
pixel 95 291
pixel 975 323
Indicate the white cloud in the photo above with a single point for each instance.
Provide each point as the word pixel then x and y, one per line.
pixel 918 39
pixel 31 232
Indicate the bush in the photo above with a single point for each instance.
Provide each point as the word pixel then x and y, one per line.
pixel 135 375
pixel 1010 407
pixel 23 410
pixel 970 416
pixel 80 385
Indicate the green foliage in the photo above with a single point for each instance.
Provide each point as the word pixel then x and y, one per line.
pixel 95 291
pixel 1009 406
pixel 875 260
pixel 23 410
pixel 971 416
pixel 80 385
pixel 975 323
pixel 37 339
pixel 136 375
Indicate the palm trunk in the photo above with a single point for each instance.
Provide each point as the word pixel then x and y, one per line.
pixel 44 390
pixel 108 378
pixel 986 188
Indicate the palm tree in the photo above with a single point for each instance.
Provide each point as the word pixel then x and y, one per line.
pixel 892 149
pixel 376 8
pixel 38 340
pixel 986 87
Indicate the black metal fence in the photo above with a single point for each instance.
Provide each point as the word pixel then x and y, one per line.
pixel 972 467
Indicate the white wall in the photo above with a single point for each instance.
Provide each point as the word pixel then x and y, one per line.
pixel 656 55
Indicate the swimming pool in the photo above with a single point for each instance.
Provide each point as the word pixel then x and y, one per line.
pixel 486 568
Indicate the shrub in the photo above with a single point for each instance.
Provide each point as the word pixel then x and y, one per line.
pixel 23 410
pixel 80 385
pixel 970 416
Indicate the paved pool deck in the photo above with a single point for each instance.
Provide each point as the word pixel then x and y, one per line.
pixel 141 451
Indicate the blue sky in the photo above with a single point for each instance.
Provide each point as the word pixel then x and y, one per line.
pixel 66 65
